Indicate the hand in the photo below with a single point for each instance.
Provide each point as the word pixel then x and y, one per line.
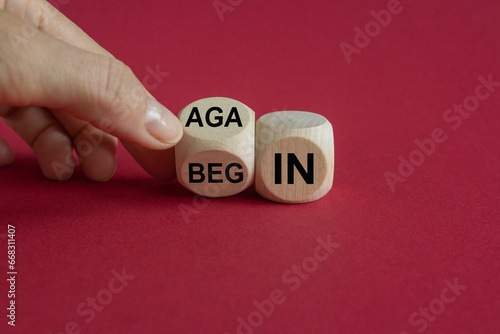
pixel 60 90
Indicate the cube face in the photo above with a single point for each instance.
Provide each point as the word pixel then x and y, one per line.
pixel 215 157
pixel 292 169
pixel 215 173
pixel 216 118
pixel 294 156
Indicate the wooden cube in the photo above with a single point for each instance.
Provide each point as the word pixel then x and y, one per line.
pixel 215 157
pixel 294 156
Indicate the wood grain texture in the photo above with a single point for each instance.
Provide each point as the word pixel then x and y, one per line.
pixel 215 157
pixel 294 155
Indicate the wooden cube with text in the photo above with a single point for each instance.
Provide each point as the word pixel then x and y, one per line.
pixel 215 157
pixel 294 156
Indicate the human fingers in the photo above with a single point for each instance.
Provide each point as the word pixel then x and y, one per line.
pixel 49 20
pixel 95 88
pixel 43 133
pixel 96 150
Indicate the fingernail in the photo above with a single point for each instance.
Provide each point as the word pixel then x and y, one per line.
pixel 161 123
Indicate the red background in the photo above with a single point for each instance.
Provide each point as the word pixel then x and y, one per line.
pixel 199 276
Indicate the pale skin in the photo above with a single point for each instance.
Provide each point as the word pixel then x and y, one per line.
pixel 57 86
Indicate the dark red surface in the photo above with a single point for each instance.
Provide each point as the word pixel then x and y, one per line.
pixel 396 248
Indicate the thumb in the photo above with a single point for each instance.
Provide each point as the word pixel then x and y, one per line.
pixel 44 71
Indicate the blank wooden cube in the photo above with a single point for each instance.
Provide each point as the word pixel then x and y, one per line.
pixel 215 157
pixel 294 156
